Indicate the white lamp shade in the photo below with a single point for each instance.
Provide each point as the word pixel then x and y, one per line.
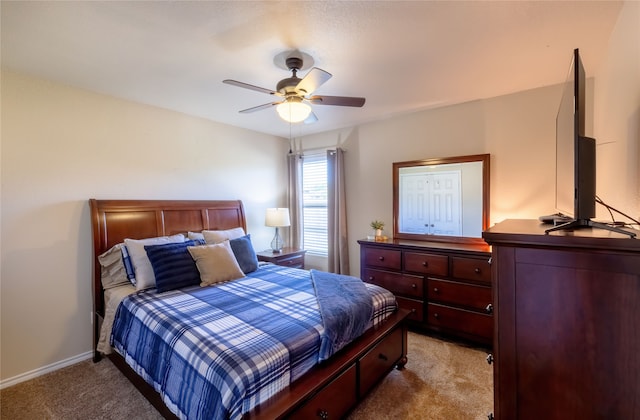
pixel 277 217
pixel 293 110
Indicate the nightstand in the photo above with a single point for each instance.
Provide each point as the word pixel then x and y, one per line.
pixel 289 257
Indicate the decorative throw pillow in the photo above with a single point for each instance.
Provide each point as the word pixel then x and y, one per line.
pixel 245 254
pixel 217 236
pixel 216 263
pixel 173 266
pixel 113 272
pixel 145 279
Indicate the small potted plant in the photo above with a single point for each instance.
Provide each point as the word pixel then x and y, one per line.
pixel 377 226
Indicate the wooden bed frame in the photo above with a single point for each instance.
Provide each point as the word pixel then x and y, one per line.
pixel 330 389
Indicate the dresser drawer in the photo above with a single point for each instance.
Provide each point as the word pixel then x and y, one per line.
pixel 383 258
pixel 460 294
pixel 419 262
pixel 472 269
pixel 399 284
pixel 415 306
pixel 461 320
pixel 379 360
pixel 334 400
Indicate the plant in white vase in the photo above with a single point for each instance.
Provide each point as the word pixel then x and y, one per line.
pixel 377 226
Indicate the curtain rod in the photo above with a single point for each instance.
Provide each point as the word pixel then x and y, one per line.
pixel 318 149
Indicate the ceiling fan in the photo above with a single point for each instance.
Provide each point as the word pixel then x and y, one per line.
pixel 296 93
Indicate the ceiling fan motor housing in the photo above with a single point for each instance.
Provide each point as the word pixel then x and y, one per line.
pixel 289 84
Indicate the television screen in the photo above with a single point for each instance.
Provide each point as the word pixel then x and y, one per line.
pixel 565 147
pixel 575 153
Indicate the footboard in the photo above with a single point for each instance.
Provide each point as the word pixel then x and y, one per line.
pixel 333 388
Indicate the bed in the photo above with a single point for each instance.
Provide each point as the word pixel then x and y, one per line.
pixel 330 388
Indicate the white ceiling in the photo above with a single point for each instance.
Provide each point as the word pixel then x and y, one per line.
pixel 403 56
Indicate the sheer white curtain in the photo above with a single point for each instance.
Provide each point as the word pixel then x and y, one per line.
pixel 337 213
pixel 294 163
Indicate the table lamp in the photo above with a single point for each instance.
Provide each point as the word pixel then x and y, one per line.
pixel 277 218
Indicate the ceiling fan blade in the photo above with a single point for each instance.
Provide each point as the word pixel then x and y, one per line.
pixel 337 100
pixel 311 118
pixel 313 80
pixel 259 107
pixel 252 87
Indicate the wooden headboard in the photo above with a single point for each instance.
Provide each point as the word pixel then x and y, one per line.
pixel 114 220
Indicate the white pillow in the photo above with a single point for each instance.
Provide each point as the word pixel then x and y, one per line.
pixel 145 279
pixel 216 263
pixel 217 236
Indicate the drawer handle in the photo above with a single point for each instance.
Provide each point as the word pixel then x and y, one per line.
pixel 413 310
pixel 371 278
pixel 490 358
pixel 489 309
pixel 413 286
pixel 323 414
pixel 436 315
pixel 477 270
pixel 382 357
pixel 425 264
pixel 436 290
pixel 381 258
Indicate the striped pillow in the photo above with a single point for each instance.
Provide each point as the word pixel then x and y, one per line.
pixel 173 266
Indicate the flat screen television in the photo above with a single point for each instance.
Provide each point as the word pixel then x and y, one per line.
pixel 575 153
pixel 575 156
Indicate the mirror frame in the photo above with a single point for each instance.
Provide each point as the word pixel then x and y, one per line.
pixel 484 158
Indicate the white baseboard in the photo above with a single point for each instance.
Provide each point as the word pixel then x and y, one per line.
pixel 45 369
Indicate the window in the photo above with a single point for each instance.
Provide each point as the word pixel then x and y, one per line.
pixel 314 204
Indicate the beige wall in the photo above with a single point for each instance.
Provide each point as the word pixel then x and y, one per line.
pixel 62 146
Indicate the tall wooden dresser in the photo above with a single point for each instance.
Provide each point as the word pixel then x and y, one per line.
pixel 446 286
pixel 567 323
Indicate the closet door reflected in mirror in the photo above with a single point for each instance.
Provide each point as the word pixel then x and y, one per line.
pixel 445 199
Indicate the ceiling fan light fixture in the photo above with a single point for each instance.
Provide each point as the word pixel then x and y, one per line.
pixel 296 92
pixel 293 110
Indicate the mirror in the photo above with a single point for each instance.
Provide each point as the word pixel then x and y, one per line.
pixel 444 199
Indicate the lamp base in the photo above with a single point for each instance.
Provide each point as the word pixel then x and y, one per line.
pixel 277 243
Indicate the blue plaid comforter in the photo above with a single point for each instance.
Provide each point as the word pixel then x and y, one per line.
pixel 217 352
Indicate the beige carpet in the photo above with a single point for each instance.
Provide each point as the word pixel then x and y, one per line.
pixel 441 381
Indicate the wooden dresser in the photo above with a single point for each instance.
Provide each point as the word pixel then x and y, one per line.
pixel 567 323
pixel 446 286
